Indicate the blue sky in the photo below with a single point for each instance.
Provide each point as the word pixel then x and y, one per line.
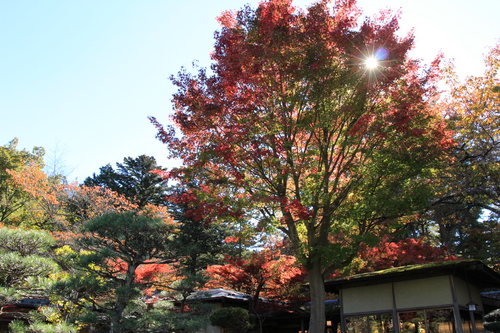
pixel 80 78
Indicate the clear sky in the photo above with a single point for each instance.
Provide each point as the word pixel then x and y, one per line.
pixel 80 78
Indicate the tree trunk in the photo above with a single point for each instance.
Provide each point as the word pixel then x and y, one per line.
pixel 123 299
pixel 116 319
pixel 317 321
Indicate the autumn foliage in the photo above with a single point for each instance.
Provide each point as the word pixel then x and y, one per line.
pixel 266 273
pixel 404 252
pixel 57 205
pixel 293 127
pixel 467 187
pixel 288 133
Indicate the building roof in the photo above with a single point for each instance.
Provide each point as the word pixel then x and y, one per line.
pixel 33 302
pixel 219 293
pixel 472 271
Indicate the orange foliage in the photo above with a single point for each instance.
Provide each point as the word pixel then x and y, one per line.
pixel 153 273
pixel 149 273
pixel 267 273
pixel 52 199
pixel 402 253
pixel 47 195
pixel 93 201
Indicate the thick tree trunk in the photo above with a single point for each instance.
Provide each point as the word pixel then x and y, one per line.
pixel 317 321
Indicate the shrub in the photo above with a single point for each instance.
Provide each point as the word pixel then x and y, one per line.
pixel 492 321
pixel 237 320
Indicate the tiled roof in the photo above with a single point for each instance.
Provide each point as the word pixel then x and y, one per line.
pixel 218 293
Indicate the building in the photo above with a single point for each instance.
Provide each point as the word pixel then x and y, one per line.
pixel 18 310
pixel 270 316
pixel 443 297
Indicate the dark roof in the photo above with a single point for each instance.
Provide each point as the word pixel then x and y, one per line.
pixel 33 302
pixel 473 271
pixel 219 293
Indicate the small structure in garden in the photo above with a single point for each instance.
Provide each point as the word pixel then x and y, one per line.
pixel 430 298
pixel 271 317
pixel 18 310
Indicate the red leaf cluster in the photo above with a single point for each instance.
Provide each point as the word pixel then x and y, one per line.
pixel 152 272
pixel 405 252
pixel 267 273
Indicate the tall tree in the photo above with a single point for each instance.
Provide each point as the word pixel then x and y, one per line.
pixel 198 242
pixel 135 179
pixel 293 126
pixel 44 208
pixel 12 197
pixel 467 208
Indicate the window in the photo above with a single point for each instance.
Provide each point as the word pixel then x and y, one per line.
pixel 427 321
pixel 467 324
pixel 370 324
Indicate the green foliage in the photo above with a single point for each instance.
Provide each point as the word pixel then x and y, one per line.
pixel 25 271
pixel 237 320
pixel 16 270
pixel 134 179
pixel 186 284
pixel 8 296
pixel 21 262
pixel 82 287
pixel 163 318
pixel 467 208
pixel 197 242
pixel 25 242
pixel 41 327
pixel 12 198
pixel 160 317
pixel 130 237
pixel 104 290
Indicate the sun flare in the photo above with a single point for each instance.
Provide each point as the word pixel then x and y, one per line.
pixel 371 63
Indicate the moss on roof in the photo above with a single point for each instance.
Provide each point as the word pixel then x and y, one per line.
pixel 405 270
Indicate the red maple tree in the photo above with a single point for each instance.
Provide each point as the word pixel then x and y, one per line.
pixel 293 129
pixel 267 273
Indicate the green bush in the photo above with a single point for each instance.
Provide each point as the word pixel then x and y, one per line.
pixel 18 326
pixel 237 320
pixel 492 321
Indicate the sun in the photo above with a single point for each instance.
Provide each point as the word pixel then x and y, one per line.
pixel 371 63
